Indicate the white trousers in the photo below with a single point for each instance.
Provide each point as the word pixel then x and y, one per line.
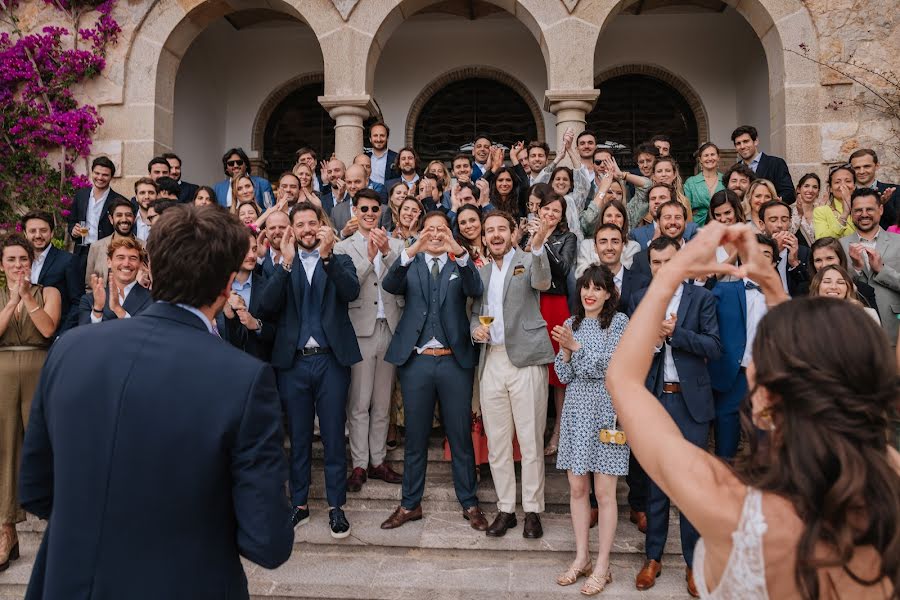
pixel 369 399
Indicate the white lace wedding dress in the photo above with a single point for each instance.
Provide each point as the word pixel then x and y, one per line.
pixel 744 577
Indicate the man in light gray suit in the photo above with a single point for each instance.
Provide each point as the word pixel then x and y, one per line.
pixel 374 314
pixel 513 368
pixel 343 215
pixel 875 256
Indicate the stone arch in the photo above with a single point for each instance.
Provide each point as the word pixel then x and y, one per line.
pixel 273 100
pixel 436 85
pixel 666 76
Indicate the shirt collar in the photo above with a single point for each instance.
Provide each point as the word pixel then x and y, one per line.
pixel 620 273
pixel 237 285
pixel 40 258
pixel 196 311
pixel 756 158
pixel 442 258
pixel 101 196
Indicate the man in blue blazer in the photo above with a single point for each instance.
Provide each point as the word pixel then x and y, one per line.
pixel 51 266
pixel 746 141
pixel 671 222
pixel 150 489
pixel 235 162
pixel 239 323
pixel 435 358
pixel 383 166
pixel 315 345
pixel 658 195
pixel 679 378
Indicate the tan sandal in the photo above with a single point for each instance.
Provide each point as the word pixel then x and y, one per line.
pixel 594 586
pixel 573 574
pixel 552 445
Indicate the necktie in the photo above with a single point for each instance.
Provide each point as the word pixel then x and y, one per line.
pixel 435 269
pixel 749 285
pixel 304 254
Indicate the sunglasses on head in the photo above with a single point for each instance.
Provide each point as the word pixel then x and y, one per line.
pixel 374 208
pixel 234 163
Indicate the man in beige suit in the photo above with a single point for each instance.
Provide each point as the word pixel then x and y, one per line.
pixel 121 215
pixel 374 314
pixel 513 368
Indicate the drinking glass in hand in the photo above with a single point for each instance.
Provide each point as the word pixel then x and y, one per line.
pixel 486 318
pixel 83 231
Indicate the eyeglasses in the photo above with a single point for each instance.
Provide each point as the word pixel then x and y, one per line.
pixel 598 162
pixel 374 209
pixel 234 163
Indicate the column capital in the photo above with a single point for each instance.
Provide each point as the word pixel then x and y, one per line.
pixel 558 100
pixel 361 106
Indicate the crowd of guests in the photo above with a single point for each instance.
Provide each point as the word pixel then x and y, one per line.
pixel 389 297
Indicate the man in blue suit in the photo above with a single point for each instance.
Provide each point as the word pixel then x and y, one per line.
pixel 689 338
pixel 740 305
pixel 315 345
pixel 238 322
pixel 435 358
pixel 671 222
pixel 746 141
pixel 383 165
pixel 235 162
pixel 658 195
pixel 150 489
pixel 51 267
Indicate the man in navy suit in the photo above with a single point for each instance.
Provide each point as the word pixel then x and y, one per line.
pixel 740 305
pixel 408 167
pixel 689 338
pixel 671 222
pixel 314 347
pixel 383 167
pixel 150 489
pixel 746 141
pixel 51 266
pixel 481 153
pixel 238 322
pixel 186 190
pixel 865 164
pixel 121 296
pixel 235 162
pixel 658 195
pixel 793 258
pixel 435 358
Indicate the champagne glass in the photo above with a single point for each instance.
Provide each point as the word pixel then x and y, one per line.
pixel 84 230
pixel 486 318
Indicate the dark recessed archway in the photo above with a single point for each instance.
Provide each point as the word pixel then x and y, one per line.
pixel 297 121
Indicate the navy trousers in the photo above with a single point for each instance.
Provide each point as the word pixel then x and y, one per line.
pixel 727 425
pixel 421 378
pixel 316 385
pixel 658 503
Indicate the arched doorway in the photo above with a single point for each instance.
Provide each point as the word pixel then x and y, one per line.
pixel 633 107
pixel 297 120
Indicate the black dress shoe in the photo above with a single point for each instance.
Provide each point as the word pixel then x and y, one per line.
pixel 503 522
pixel 532 529
pixel 300 516
pixel 337 521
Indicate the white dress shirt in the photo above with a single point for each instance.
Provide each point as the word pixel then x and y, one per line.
pixel 617 278
pixel 756 310
pixel 141 227
pixel 379 166
pixel 783 268
pixel 94 214
pixel 670 373
pixel 122 297
pixel 38 264
pixel 495 296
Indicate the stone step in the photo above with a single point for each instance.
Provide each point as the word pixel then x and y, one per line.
pixel 358 572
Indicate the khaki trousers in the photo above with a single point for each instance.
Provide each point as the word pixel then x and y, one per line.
pixel 369 399
pixel 19 372
pixel 514 401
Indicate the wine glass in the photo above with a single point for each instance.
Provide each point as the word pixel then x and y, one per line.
pixel 84 230
pixel 486 318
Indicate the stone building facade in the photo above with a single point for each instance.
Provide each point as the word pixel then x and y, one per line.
pixel 198 76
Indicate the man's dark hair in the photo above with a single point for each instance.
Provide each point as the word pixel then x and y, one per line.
pixel 438 182
pixel 16 239
pixel 162 205
pixel 146 181
pixel 116 203
pixel 748 129
pixel 41 215
pixel 499 213
pixel 672 202
pixel 660 244
pixel 608 227
pixel 468 185
pixel 661 138
pixel 289 174
pixel 103 161
pixel 584 133
pixel 214 239
pixel 646 148
pixel 482 136
pixel 603 149
pixel 411 150
pixel 771 204
pixel 240 153
pixel 466 157
pixel 764 239
pixel 669 187
pixel 307 205
pixel 368 194
pixel 741 169
pixel 542 145
pixel 306 150
pixel 864 152
pixel 167 184
pixel 157 160
pixel 387 129
pixel 171 156
pixel 437 213
pixel 864 192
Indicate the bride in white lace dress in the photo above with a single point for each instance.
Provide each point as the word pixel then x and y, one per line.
pixel 814 512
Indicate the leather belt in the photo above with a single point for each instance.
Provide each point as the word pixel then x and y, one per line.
pixel 313 351
pixel 437 351
pixel 671 388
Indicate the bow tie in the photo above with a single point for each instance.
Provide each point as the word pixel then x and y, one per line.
pixel 304 254
pixel 749 285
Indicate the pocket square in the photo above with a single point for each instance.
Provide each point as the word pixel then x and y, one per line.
pixel 454 276
pixel 518 270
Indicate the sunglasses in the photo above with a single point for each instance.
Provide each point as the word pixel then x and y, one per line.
pixel 234 163
pixel 365 209
pixel 598 162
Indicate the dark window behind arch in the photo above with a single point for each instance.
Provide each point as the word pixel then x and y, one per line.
pixel 298 120
pixel 462 110
pixel 633 108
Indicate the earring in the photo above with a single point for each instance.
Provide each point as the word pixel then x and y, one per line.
pixel 763 419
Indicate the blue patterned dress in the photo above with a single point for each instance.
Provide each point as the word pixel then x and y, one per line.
pixel 588 407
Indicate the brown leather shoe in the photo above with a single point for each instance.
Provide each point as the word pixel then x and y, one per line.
pixel 691 586
pixel 639 518
pixel 9 546
pixel 475 516
pixel 501 523
pixel 356 480
pixel 385 473
pixel 595 516
pixel 532 529
pixel 401 516
pixel 646 577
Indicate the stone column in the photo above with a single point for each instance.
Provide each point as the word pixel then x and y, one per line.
pixel 570 108
pixel 348 112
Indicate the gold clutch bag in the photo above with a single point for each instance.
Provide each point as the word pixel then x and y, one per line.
pixel 613 435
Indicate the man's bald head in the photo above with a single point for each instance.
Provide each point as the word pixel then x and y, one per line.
pixel 356 179
pixel 335 170
pixel 365 162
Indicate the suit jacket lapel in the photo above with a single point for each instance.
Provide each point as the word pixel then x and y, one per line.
pixel 320 280
pixel 299 284
pixel 48 263
pixel 420 264
pixel 686 296
pixel 509 271
pixel 446 272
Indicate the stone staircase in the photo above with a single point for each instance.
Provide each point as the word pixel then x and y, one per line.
pixel 437 558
